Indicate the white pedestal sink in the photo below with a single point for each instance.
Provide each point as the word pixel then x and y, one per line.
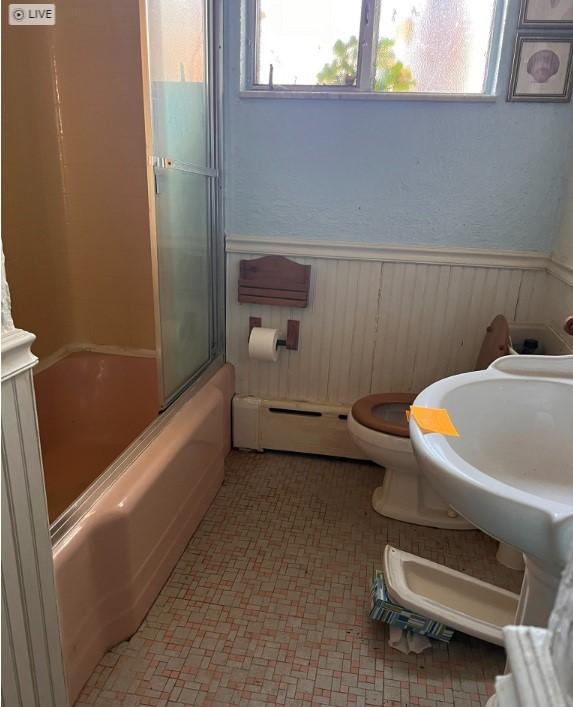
pixel 510 472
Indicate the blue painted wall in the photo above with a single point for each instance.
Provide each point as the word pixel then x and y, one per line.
pixel 480 175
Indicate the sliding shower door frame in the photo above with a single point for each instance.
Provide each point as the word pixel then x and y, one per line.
pixel 73 514
pixel 218 261
pixel 214 65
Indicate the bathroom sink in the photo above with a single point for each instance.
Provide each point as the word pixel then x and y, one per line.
pixel 510 471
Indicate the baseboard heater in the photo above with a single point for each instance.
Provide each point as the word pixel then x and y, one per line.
pixel 291 426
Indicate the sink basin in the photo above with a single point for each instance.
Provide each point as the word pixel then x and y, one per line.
pixel 510 472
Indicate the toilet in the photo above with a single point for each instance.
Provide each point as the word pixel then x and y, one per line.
pixel 378 426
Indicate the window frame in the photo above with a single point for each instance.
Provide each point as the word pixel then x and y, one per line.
pixel 369 18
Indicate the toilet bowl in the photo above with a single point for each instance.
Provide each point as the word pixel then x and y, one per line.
pixel 405 494
pixel 378 426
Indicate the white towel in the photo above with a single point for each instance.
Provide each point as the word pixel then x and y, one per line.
pixel 407 641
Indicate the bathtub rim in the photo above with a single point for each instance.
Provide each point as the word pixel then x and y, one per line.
pixel 67 520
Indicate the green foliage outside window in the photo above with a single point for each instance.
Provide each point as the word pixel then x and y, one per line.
pixel 391 75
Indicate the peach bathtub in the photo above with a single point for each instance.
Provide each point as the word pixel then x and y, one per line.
pixel 111 564
pixel 91 406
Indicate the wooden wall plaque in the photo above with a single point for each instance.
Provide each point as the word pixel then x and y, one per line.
pixel 275 280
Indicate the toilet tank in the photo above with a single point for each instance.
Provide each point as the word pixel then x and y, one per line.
pixel 551 343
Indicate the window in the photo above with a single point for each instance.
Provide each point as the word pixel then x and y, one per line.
pixel 433 47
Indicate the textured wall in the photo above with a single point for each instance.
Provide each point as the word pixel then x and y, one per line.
pixel 564 246
pixel 76 231
pixel 466 174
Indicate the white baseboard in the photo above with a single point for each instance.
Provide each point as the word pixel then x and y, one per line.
pixel 290 426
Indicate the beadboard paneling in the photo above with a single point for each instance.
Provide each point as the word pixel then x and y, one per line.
pixel 432 320
pixel 531 305
pixel 32 667
pixel 373 325
pixel 558 300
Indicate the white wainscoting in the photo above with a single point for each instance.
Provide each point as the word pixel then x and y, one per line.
pixel 32 666
pixel 558 296
pixel 383 318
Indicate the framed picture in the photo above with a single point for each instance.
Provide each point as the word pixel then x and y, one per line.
pixel 546 13
pixel 542 68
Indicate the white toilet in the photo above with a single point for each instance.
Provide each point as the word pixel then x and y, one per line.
pixel 378 426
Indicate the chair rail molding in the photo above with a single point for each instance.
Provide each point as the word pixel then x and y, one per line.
pixel 562 271
pixel 385 252
pixel 32 665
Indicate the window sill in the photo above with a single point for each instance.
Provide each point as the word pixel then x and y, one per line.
pixel 366 96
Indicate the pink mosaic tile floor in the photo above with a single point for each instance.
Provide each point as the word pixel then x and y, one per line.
pixel 269 603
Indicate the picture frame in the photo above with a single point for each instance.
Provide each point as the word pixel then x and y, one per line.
pixel 542 69
pixel 557 14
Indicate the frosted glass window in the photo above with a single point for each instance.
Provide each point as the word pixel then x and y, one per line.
pixel 179 87
pixel 182 221
pixel 433 46
pixel 409 46
pixel 302 40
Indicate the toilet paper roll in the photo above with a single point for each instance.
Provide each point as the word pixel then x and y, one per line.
pixel 263 344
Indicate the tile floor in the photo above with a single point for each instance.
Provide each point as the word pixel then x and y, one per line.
pixel 269 603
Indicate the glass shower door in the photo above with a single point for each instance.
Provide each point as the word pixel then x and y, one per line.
pixel 183 114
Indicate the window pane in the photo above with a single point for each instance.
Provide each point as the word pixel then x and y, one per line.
pixel 308 42
pixel 433 46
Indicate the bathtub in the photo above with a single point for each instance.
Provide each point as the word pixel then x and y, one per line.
pixel 111 563
pixel 90 406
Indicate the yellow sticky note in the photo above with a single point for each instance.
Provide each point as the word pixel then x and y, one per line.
pixel 434 420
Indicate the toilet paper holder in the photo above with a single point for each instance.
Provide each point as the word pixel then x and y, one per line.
pixel 291 341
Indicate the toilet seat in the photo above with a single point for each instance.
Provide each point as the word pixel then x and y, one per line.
pixel 384 412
